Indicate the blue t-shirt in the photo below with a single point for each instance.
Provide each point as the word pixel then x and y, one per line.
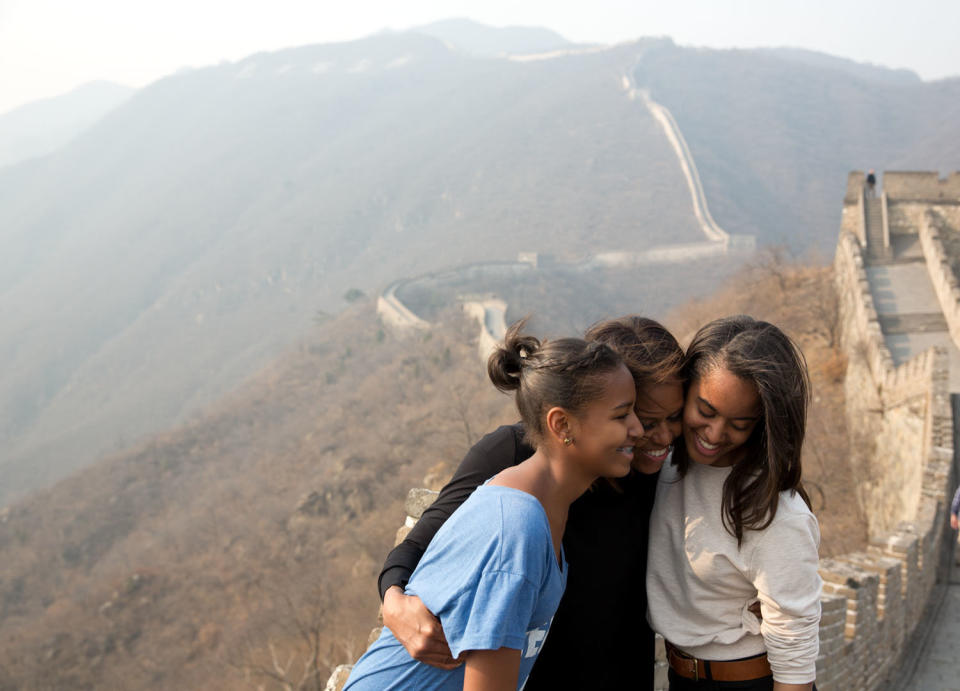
pixel 491 577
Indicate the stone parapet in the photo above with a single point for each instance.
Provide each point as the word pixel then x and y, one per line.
pixel 886 589
pixel 921 186
pixel 860 325
pixel 855 182
pixel 941 274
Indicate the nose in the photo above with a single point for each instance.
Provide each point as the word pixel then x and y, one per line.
pixel 634 427
pixel 661 433
pixel 713 432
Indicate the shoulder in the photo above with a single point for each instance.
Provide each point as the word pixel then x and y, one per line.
pixel 504 529
pixel 518 516
pixel 515 509
pixel 793 527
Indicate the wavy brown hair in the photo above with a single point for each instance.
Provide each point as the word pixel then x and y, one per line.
pixel 649 351
pixel 760 353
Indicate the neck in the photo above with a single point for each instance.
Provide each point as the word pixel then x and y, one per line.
pixel 555 480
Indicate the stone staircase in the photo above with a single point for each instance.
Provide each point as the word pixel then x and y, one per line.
pixel 873 211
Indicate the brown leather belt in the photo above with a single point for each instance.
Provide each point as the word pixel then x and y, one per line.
pixel 717 670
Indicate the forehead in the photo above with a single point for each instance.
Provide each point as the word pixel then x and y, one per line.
pixel 727 393
pixel 618 386
pixel 665 397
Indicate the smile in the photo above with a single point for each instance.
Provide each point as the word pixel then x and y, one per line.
pixel 656 454
pixel 706 448
pixel 626 451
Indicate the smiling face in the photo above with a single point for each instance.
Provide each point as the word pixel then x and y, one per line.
pixel 606 430
pixel 660 410
pixel 720 414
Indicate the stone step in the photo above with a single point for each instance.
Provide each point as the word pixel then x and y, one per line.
pixel 876 253
pixel 913 323
pixel 907 247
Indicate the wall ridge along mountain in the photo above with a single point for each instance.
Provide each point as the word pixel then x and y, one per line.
pixel 718 241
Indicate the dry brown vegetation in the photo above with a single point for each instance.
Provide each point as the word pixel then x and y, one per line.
pixel 241 550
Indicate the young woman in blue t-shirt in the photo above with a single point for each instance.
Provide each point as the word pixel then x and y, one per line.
pixel 495 572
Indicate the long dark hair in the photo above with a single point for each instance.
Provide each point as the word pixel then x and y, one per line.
pixel 758 352
pixel 566 372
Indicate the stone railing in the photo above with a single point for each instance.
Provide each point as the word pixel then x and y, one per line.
pixel 394 313
pixel 922 186
pixel 859 321
pixel 941 274
pixel 874 600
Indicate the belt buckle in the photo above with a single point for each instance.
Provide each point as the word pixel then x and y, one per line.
pixel 696 668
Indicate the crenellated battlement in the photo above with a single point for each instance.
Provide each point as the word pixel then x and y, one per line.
pixel 922 186
pixel 903 411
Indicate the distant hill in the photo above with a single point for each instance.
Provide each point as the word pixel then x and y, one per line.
pixel 166 253
pixel 863 71
pixel 477 39
pixel 196 230
pixel 775 132
pixel 40 127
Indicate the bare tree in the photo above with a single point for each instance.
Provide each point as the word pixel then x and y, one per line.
pixel 295 653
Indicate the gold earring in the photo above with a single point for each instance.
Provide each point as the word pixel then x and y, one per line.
pixel 567 441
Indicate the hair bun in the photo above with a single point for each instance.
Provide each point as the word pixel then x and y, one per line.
pixel 507 362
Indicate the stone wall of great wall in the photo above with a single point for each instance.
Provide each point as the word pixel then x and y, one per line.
pixel 932 225
pixel 874 600
pixel 900 421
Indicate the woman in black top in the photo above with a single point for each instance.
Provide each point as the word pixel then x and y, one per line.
pixel 599 638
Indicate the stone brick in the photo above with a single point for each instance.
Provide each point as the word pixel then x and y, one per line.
pixel 418 499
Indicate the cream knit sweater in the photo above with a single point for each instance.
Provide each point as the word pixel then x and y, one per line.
pixel 699 584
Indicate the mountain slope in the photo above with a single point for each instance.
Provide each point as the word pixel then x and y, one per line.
pixel 154 262
pixel 171 249
pixel 774 136
pixel 255 532
pixel 473 38
pixel 38 128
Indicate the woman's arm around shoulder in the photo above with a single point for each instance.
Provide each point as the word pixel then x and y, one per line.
pixel 502 448
pixel 410 621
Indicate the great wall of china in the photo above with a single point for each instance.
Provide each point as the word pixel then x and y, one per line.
pixel 489 311
pixel 899 303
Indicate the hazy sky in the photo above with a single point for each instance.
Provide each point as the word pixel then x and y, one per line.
pixel 48 47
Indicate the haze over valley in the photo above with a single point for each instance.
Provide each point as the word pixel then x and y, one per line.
pixel 207 428
pixel 167 252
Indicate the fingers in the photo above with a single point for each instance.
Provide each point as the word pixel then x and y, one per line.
pixel 420 633
pixel 447 662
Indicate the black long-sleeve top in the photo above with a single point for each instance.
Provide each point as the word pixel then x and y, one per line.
pixel 599 638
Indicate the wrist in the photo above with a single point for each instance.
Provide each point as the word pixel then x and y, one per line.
pixel 391 598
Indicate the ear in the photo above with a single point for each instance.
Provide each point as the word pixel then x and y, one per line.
pixel 560 425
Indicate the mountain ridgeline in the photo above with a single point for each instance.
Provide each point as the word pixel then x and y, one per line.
pixel 199 228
